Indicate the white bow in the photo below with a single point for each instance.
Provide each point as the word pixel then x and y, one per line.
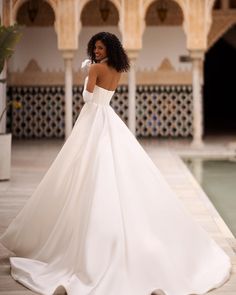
pixel 85 64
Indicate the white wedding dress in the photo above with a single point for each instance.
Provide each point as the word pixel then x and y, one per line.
pixel 103 221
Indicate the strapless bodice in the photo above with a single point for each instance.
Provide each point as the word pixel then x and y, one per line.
pixel 101 95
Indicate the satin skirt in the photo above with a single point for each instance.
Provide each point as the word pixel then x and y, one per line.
pixel 104 221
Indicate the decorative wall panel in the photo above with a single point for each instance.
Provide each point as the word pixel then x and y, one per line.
pixel 160 110
pixel 164 111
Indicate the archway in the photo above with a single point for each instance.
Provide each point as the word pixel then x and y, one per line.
pixel 35 14
pixel 32 69
pixel 20 3
pixel 163 23
pixel 99 13
pixel 98 16
pixel 164 104
pixel 219 86
pixel 84 3
pixel 147 3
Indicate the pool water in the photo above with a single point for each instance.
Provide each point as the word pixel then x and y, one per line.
pixel 218 180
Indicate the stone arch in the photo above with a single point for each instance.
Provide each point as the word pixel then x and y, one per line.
pixel 152 19
pixel 83 3
pixel 92 7
pixel 147 3
pixel 218 29
pixel 19 3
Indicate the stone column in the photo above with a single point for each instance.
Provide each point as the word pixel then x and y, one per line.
pixel 68 58
pixel 197 73
pixel 132 91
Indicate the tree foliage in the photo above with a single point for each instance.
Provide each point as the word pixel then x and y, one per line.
pixel 9 36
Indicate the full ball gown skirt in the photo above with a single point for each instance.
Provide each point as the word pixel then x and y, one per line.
pixel 104 221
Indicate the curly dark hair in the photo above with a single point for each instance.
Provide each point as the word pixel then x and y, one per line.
pixel 117 57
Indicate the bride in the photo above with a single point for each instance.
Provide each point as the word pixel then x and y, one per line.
pixel 103 219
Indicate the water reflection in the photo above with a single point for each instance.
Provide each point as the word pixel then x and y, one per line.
pixel 218 180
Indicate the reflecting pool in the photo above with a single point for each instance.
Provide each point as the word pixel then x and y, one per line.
pixel 218 180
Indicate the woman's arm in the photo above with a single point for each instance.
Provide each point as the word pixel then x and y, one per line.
pixel 92 78
pixel 90 82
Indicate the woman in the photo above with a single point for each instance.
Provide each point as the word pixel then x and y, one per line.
pixel 103 220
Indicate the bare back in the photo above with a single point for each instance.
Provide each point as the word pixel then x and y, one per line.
pixel 103 76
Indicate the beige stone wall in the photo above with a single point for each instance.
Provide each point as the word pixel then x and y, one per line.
pixel 166 74
pixel 201 24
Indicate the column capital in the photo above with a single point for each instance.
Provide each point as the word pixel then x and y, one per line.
pixel 67 24
pixel 68 54
pixel 132 54
pixel 197 54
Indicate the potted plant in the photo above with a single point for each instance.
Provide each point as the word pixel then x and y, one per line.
pixel 9 36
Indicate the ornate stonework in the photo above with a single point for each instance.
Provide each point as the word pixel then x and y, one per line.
pixel 91 15
pixel 33 75
pixel 67 25
pixel 166 74
pixel 222 21
pixel 44 17
pixel 132 25
pixel 166 66
pixel 148 3
pixel 132 17
pixel 160 110
pixel 174 15
pixel 18 3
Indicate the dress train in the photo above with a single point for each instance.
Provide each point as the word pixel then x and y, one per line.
pixel 104 221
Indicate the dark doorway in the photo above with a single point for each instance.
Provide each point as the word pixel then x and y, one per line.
pixel 220 86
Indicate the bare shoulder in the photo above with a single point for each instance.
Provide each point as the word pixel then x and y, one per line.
pixel 102 69
pixel 93 68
